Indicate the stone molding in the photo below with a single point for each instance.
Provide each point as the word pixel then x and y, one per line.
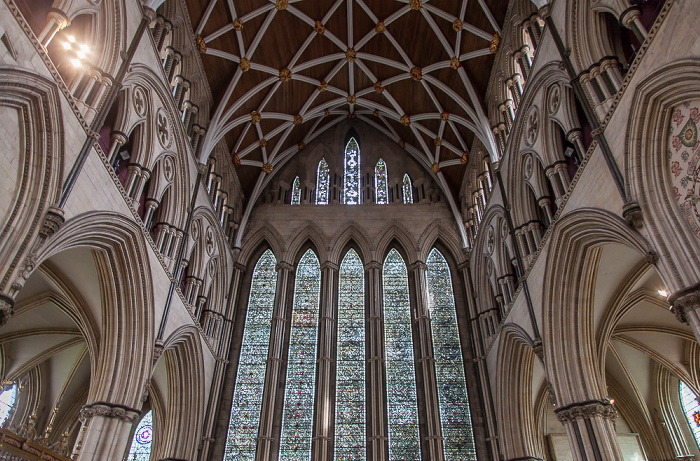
pixel 684 302
pixel 585 410
pixel 6 308
pixel 109 410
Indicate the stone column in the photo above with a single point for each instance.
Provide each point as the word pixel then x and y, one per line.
pixel 157 30
pixel 544 203
pixel 686 305
pixel 324 413
pixel 377 422
pixel 273 393
pixel 429 413
pixel 575 137
pixel 590 427
pixel 56 22
pixel 118 140
pixel 105 432
pixel 632 19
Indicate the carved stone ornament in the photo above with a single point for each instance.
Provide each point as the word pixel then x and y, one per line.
pixel 416 4
pixel 528 166
pixel 495 43
pixel 53 221
pixel 532 126
pixel 238 24
pixel 504 229
pixel 402 143
pixel 436 168
pixel 405 120
pixel 417 73
pixel 464 159
pixel 352 99
pixel 267 168
pixel 108 410
pixel 323 86
pixel 375 113
pixel 380 28
pixel 586 410
pixel 554 99
pixel 490 240
pixel 163 129
pixel 378 87
pixel 438 142
pixel 350 55
pixel 285 75
pixel 445 116
pixel 6 305
pixel 301 145
pixel 632 213
pixel 140 101
pixel 281 4
pixel 168 168
pixel 263 142
pixel 255 117
pixel 210 241
pixel 236 159
pixel 684 304
pixel 454 63
pixel 245 65
pixel 319 28
pixel 298 119
pixel 201 44
pixel 457 25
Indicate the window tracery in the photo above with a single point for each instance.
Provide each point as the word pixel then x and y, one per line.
pixel 299 394
pixel 143 439
pixel 323 180
pixel 7 401
pixel 296 191
pixel 350 379
pixel 352 173
pixel 250 380
pixel 691 408
pixel 407 189
pixel 380 183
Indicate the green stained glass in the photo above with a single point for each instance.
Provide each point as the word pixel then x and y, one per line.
pixel 350 379
pixel 301 369
pixel 455 418
pixel 247 396
pixel 402 408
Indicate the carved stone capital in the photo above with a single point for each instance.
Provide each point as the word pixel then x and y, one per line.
pixel 585 410
pixel 330 265
pixel 632 213
pixel 6 306
pixel 109 410
pixel 158 350
pixel 373 265
pixel 418 265
pixel 685 302
pixel 284 266
pixel 53 221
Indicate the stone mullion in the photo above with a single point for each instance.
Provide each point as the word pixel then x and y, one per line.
pixel 590 427
pixel 431 432
pixel 377 422
pixel 268 432
pixel 322 447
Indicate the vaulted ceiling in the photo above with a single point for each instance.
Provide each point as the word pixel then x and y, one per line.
pixel 281 72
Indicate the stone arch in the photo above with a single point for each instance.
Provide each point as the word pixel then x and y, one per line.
pixel 568 304
pixel 32 102
pixel 395 232
pixel 263 234
pixel 667 220
pixel 308 234
pixel 439 231
pixel 351 232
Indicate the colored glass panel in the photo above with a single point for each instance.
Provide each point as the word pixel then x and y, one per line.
pixel 247 397
pixel 143 439
pixel 691 408
pixel 352 173
pixel 323 182
pixel 458 438
pixel 404 442
pixel 301 371
pixel 350 378
pixel 296 191
pixel 7 401
pixel 380 182
pixel 407 189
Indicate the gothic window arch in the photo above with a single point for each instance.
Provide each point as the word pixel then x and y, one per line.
pixel 299 394
pixel 404 441
pixel 323 181
pixel 455 418
pixel 7 401
pixel 296 191
pixel 350 375
pixel 381 186
pixel 250 380
pixel 351 189
pixel 407 189
pixel 691 409
pixel 143 439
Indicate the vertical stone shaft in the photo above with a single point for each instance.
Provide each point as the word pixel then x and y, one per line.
pixel 590 427
pixel 431 434
pixel 324 412
pixel 268 432
pixel 377 424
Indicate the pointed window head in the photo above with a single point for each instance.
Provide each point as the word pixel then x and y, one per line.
pixel 323 181
pixel 380 182
pixel 296 191
pixel 351 191
pixel 407 189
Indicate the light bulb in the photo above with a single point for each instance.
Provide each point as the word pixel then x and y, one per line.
pixel 84 48
pixel 663 293
pixel 81 55
pixel 66 45
pixel 71 39
pixel 76 62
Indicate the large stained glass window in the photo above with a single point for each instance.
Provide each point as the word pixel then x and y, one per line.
pixel 407 189
pixel 7 401
pixel 143 439
pixel 351 191
pixel 451 385
pixel 402 409
pixel 350 378
pixel 691 408
pixel 297 419
pixel 296 191
pixel 247 396
pixel 323 181
pixel 380 182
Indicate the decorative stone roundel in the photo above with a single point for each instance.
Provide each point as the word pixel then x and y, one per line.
pixel 163 129
pixel 554 99
pixel 683 156
pixel 528 166
pixel 504 229
pixel 212 267
pixel 210 241
pixel 532 126
pixel 168 168
pixel 140 101
pixel 490 240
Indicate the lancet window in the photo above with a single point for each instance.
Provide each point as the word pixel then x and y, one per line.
pixel 381 186
pixel 7 401
pixel 691 408
pixel 296 191
pixel 143 439
pixel 407 189
pixel 323 181
pixel 351 190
